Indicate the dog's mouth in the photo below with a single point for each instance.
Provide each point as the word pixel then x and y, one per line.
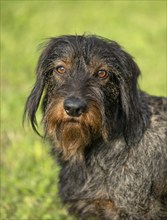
pixel 71 127
pixel 72 120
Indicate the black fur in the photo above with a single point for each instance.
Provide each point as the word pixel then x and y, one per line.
pixel 114 156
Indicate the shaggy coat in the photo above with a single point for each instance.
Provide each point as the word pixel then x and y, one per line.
pixel 108 136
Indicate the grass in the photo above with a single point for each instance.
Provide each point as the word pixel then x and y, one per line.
pixel 29 175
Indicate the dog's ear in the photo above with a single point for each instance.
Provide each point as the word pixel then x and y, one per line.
pixel 32 103
pixel 132 121
pixel 34 98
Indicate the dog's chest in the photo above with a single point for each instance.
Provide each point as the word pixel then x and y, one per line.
pixel 88 181
pixel 106 176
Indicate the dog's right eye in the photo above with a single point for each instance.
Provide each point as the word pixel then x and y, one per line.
pixel 60 70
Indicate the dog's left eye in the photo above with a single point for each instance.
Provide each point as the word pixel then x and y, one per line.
pixel 102 74
pixel 60 69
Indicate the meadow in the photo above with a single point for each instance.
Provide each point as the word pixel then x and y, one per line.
pixel 29 175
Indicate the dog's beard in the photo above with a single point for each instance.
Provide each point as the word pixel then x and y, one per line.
pixel 72 138
pixel 72 134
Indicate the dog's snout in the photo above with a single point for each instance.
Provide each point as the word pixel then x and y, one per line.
pixel 75 106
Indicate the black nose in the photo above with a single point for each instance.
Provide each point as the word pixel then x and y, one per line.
pixel 74 106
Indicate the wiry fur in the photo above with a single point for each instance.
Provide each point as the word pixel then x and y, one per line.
pixel 113 157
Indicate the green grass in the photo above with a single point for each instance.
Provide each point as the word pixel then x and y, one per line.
pixel 29 175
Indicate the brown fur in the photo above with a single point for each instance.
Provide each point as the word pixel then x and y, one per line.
pixel 72 134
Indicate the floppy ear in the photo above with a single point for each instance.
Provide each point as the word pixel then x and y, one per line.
pixel 132 110
pixel 128 83
pixel 33 101
pixel 34 98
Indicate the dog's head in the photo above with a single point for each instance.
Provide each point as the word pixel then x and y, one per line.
pixel 90 92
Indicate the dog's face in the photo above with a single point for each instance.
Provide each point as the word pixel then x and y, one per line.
pixel 90 92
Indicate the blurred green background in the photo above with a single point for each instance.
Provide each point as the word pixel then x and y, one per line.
pixel 29 175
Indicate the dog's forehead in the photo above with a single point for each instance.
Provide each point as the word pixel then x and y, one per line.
pixel 92 49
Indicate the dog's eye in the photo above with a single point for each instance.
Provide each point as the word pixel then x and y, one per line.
pixel 102 74
pixel 60 69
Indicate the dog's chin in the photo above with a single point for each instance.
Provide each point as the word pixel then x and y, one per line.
pixel 72 137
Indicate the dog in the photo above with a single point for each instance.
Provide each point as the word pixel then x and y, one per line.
pixel 107 135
